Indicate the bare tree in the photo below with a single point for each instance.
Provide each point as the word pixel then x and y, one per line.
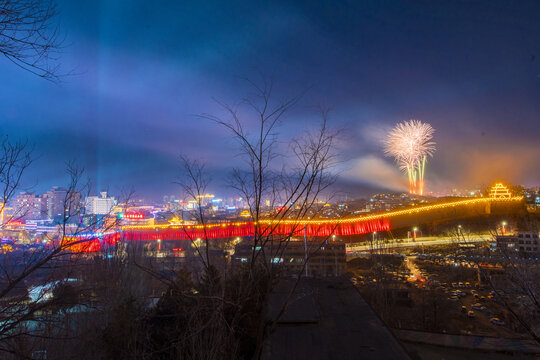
pixel 29 37
pixel 45 269
pixel 15 158
pixel 270 179
pixel 194 185
pixel 224 313
pixel 290 181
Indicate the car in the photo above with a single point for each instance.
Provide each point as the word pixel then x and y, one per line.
pixel 460 284
pixel 468 284
pixel 454 285
pixel 478 306
pixel 496 321
pixel 471 314
pixel 463 309
pixel 453 298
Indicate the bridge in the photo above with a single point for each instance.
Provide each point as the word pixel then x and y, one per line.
pixel 359 225
pixel 447 210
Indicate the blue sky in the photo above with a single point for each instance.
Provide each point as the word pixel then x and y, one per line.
pixel 142 71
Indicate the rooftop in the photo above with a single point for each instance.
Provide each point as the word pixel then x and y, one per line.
pixel 328 318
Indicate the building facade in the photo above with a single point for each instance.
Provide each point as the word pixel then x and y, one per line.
pixel 100 205
pixel 523 243
pixel 324 259
pixel 28 206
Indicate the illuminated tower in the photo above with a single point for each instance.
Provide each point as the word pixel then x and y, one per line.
pixel 499 191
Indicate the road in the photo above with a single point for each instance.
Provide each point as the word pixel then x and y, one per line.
pixel 424 241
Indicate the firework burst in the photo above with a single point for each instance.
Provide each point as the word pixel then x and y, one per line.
pixel 409 143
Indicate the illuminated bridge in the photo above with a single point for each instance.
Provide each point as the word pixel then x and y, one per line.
pixel 445 211
pixel 324 227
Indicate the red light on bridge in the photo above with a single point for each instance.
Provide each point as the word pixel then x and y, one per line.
pixel 177 249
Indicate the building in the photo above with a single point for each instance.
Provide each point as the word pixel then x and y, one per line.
pixel 387 202
pixel 326 319
pixel 327 259
pixel 499 191
pixel 523 243
pixel 60 201
pixel 137 218
pixel 532 198
pixel 99 205
pixel 28 206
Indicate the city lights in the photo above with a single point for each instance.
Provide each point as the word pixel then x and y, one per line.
pixel 312 227
pixel 269 180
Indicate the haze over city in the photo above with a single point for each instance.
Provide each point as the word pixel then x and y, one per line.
pixel 138 75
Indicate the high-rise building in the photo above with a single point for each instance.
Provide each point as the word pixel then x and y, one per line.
pixel 60 202
pixel 28 206
pixel 55 201
pixel 100 205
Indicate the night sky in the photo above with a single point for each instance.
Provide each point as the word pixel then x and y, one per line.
pixel 142 70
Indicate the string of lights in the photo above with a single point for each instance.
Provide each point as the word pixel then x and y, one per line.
pixel 310 227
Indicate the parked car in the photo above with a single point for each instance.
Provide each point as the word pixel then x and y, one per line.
pixel 478 306
pixel 496 321
pixel 471 314
pixel 463 309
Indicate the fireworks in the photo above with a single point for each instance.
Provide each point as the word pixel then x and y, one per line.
pixel 409 144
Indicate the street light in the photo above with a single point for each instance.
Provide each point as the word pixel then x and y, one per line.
pixel 414 232
pixel 333 237
pixel 503 227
